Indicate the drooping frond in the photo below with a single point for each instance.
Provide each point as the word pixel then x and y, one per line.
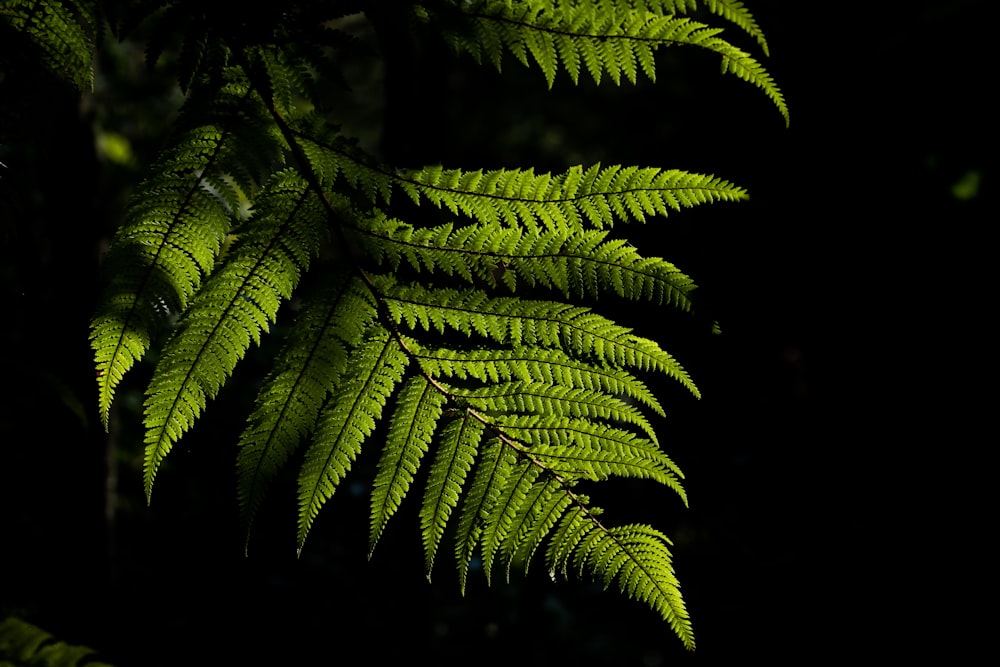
pixel 605 38
pixel 514 491
pixel 305 373
pixel 239 302
pixel 166 248
pixel 456 454
pixel 545 503
pixel 492 470
pixel 347 419
pixel 177 222
pixel 578 520
pixel 637 557
pixel 63 31
pixel 733 11
pixel 420 406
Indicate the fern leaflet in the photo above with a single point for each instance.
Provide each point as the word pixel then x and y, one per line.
pixel 577 264
pixel 410 433
pixel 456 455
pixel 347 419
pixel 483 493
pixel 521 322
pixel 306 372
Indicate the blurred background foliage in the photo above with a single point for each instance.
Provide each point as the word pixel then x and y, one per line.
pixel 865 211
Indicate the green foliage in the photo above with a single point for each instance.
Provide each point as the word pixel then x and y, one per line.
pixel 62 33
pixel 470 334
pixel 605 38
pixel 23 644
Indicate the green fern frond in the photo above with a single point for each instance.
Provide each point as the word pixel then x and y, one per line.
pixel 733 11
pixel 335 160
pixel 576 330
pixel 744 66
pixel 422 327
pixel 605 38
pixel 160 257
pixel 590 450
pixel 538 398
pixel 64 32
pixel 456 454
pixel 349 417
pixel 239 302
pixel 551 367
pixel 596 196
pixel 578 520
pixel 638 558
pixel 576 263
pixel 285 78
pixel 290 75
pixel 544 505
pixel 500 519
pixel 492 469
pixel 420 406
pixel 24 644
pixel 178 219
pixel 305 373
pixel 587 264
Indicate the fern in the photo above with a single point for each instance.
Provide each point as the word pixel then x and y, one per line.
pixel 22 643
pixel 348 419
pixel 576 264
pixel 473 334
pixel 604 38
pixel 420 407
pixel 733 11
pixel 63 33
pixel 308 369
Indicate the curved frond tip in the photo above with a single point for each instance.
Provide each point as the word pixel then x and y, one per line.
pixel 609 39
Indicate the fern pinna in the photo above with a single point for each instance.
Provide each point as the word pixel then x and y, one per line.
pixel 466 332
